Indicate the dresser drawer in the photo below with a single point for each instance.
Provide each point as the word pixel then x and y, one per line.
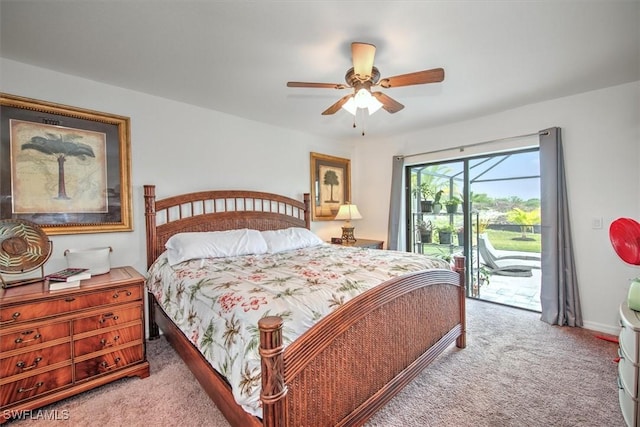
pixel 107 340
pixel 35 359
pixel 629 337
pixel 36 385
pixel 116 316
pixel 30 337
pixel 109 362
pixel 629 408
pixel 69 303
pixel 628 374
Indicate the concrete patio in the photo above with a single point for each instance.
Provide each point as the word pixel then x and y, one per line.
pixel 521 292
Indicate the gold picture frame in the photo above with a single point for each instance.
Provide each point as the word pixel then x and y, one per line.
pixel 64 168
pixel 330 185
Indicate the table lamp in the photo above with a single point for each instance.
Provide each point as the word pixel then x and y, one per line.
pixel 347 212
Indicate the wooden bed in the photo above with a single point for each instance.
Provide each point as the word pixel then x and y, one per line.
pixel 351 362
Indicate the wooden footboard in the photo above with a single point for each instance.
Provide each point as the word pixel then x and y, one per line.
pixel 356 359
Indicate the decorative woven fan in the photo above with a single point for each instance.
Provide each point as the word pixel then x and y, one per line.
pixel 23 246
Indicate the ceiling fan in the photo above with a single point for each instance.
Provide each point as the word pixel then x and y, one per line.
pixel 364 76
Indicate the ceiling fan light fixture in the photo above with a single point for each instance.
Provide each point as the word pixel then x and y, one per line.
pixel 362 99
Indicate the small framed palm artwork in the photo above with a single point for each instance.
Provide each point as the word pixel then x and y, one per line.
pixel 64 168
pixel 330 185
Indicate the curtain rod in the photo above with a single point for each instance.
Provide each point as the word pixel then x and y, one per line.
pixel 462 147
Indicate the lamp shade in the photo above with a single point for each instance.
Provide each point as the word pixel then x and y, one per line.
pixel 348 212
pixel 350 106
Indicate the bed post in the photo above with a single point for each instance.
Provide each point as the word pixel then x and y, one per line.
pixel 273 386
pixel 150 219
pixel 307 210
pixel 461 341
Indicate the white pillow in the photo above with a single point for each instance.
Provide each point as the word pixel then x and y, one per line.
pixel 290 238
pixel 214 244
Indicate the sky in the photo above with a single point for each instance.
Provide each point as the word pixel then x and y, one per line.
pixel 498 167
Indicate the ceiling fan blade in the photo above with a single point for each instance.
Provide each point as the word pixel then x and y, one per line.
pixel 362 55
pixel 417 78
pixel 388 103
pixel 317 85
pixel 336 107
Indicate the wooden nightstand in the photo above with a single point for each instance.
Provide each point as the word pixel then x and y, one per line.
pixel 366 243
pixel 56 344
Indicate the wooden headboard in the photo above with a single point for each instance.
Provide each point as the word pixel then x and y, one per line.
pixel 218 210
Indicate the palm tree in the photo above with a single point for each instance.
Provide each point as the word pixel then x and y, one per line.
pixel 525 219
pixel 331 179
pixel 60 146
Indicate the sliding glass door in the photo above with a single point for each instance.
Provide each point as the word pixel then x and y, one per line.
pixel 488 209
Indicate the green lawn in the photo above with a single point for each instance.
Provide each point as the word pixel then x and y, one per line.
pixel 441 251
pixel 503 240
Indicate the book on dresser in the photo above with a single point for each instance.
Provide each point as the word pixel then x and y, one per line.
pixel 55 286
pixel 69 275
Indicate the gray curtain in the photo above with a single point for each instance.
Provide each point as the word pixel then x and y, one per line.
pixel 559 293
pixel 395 203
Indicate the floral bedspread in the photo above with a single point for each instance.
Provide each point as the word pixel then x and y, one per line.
pixel 217 302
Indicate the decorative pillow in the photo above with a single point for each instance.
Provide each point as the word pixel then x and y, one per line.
pixel 214 244
pixel 290 238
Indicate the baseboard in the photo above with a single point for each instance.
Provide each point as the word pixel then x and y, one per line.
pixel 601 327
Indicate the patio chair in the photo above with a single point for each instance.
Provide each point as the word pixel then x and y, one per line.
pixel 503 263
pixel 497 254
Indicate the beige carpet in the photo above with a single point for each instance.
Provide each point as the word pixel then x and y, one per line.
pixel 515 371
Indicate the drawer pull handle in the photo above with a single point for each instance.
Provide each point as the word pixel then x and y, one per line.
pixel 21 341
pixel 24 390
pixel 106 343
pixel 14 318
pixel 69 299
pixel 107 367
pixel 108 316
pixel 117 293
pixel 23 366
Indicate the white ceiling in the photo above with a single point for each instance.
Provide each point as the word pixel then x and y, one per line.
pixel 236 56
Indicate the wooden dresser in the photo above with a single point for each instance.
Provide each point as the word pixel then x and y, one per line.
pixel 55 344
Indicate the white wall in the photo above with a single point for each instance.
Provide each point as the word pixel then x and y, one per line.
pixel 601 135
pixel 179 148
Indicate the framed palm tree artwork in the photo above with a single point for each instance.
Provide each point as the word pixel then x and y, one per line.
pixel 330 185
pixel 64 168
